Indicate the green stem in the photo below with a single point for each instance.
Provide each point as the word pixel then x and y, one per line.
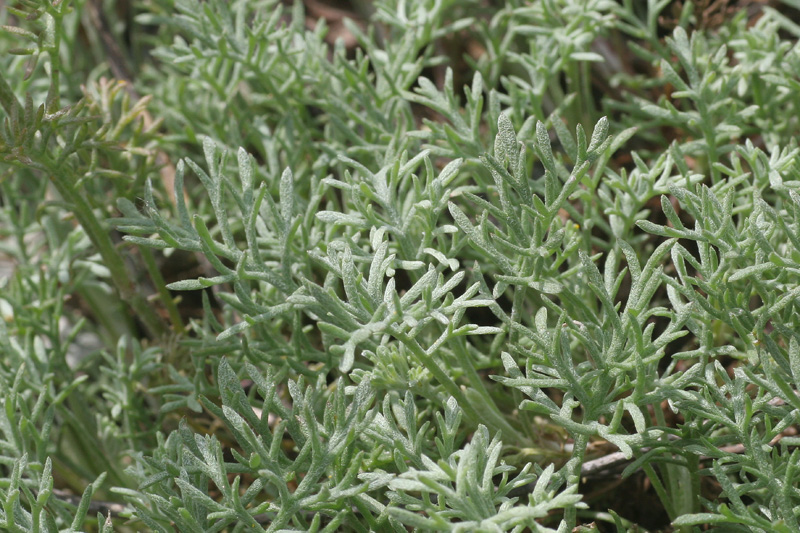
pixel 163 292
pixel 675 499
pixel 694 471
pixel 666 471
pixel 492 415
pixel 112 259
pixel 574 476
pixel 663 494
pixel 468 368
pixel 441 376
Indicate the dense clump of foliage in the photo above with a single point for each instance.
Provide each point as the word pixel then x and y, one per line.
pixel 428 264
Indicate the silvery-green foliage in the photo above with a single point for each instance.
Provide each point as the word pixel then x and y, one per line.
pixel 340 473
pixel 26 430
pixel 424 296
pixel 464 488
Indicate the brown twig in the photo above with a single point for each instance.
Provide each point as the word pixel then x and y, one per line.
pixel 613 463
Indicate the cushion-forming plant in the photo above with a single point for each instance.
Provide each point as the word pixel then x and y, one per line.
pixel 271 279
